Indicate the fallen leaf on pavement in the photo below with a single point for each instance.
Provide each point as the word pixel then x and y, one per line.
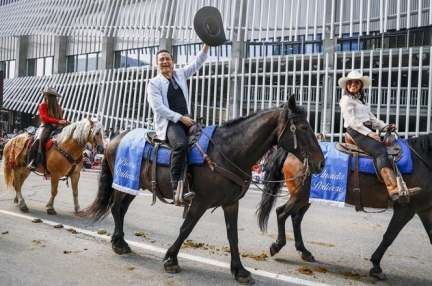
pixel 58 225
pixel 5 232
pixel 37 220
pixel 305 270
pixel 101 231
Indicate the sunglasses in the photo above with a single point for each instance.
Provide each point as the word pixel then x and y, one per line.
pixel 355 82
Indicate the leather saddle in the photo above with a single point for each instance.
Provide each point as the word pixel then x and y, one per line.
pixel 151 138
pixel 393 148
pixel 394 151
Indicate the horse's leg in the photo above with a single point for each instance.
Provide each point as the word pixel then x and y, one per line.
pixel 123 209
pixel 237 269
pixel 283 212
pixel 19 178
pixel 54 185
pixel 170 261
pixel 74 180
pixel 426 218
pixel 401 216
pixel 119 245
pixel 297 218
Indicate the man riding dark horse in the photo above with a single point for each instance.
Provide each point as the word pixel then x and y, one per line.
pixel 51 117
pixel 168 97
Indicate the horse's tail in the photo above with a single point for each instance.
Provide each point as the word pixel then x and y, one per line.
pixel 98 210
pixel 8 170
pixel 274 172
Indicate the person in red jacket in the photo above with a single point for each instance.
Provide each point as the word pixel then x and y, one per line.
pixel 51 117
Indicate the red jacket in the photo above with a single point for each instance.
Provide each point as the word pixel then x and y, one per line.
pixel 45 118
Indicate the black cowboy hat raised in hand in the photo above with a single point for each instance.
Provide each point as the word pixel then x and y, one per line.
pixel 209 26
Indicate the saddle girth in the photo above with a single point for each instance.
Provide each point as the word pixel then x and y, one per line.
pixel 69 158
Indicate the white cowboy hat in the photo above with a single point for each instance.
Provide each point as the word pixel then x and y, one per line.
pixel 355 74
pixel 50 90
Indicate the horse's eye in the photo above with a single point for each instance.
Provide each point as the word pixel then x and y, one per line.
pixel 304 127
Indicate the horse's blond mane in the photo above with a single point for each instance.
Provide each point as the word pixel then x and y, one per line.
pixel 79 131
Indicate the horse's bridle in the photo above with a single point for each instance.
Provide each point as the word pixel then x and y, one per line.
pixel 293 130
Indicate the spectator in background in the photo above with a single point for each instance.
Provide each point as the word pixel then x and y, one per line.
pixel 87 162
pixel 117 131
pixel 110 133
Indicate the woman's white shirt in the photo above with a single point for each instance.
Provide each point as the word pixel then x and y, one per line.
pixel 355 113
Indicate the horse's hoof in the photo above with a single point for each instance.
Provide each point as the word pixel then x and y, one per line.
pixel 51 212
pixel 377 274
pixel 120 250
pixel 172 269
pixel 308 257
pixel 274 248
pixel 24 209
pixel 245 280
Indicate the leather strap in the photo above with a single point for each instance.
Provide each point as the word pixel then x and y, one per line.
pixel 155 188
pixel 69 158
pixel 224 172
pixel 356 190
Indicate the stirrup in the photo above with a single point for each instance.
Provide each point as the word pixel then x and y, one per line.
pixel 414 191
pixel 31 166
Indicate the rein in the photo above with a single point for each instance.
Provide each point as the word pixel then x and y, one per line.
pixel 305 162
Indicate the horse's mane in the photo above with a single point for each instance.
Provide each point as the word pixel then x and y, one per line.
pixel 284 115
pixel 78 131
pixel 422 143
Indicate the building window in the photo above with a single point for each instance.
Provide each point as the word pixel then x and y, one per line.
pixel 135 57
pixel 420 37
pixel 287 46
pixel 8 67
pixel 40 66
pixel 83 62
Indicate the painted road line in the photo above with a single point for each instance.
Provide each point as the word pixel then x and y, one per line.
pixel 195 258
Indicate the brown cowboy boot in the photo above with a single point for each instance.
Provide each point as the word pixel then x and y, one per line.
pixel 390 182
pixel 397 187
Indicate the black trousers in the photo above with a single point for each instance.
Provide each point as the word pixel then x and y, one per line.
pixel 38 147
pixel 377 149
pixel 178 139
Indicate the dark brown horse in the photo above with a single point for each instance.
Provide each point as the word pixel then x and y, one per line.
pixel 374 194
pixel 243 141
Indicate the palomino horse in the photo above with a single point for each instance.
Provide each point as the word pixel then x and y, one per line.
pixel 374 194
pixel 72 141
pixel 237 145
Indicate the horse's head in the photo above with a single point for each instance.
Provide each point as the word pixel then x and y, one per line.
pixel 95 136
pixel 296 136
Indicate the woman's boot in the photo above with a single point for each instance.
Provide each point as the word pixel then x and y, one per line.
pixel 390 182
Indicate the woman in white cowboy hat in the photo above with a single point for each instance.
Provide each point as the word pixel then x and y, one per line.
pixel 51 117
pixel 360 123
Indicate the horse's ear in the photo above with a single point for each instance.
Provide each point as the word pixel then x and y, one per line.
pixel 292 103
pixel 91 122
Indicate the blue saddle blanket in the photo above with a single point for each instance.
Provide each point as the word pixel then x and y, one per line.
pixel 132 149
pixel 405 164
pixel 329 187
pixel 194 157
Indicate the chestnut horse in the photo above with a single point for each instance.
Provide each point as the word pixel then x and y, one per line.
pixel 236 146
pixel 374 195
pixel 72 140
